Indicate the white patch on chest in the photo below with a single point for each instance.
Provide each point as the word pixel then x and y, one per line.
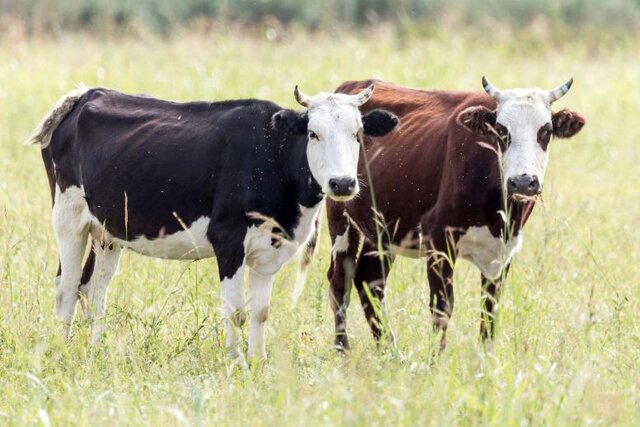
pixel 341 243
pixel 267 259
pixel 489 253
pixel 191 243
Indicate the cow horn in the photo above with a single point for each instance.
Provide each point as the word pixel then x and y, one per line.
pixel 559 92
pixel 363 96
pixel 301 97
pixel 490 89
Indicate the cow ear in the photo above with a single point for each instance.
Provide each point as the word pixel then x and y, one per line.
pixel 477 119
pixel 379 122
pixel 566 123
pixel 290 122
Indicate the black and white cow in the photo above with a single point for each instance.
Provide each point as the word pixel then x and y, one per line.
pixel 240 180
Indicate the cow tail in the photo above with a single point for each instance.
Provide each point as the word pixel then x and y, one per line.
pixel 42 134
pixel 305 259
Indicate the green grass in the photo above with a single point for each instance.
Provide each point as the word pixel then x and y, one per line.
pixel 568 345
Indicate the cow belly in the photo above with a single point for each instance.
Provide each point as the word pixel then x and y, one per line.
pixel 415 253
pixel 191 243
pixel 489 253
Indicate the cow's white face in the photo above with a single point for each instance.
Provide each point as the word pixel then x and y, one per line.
pixel 333 147
pixel 523 121
pixel 523 125
pixel 334 128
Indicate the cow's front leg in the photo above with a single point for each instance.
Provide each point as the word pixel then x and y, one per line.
pixel 340 275
pixel 490 295
pixel 259 299
pixel 227 241
pixel 233 310
pixel 440 275
pixel 371 275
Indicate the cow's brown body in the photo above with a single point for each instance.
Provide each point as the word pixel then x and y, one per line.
pixel 432 179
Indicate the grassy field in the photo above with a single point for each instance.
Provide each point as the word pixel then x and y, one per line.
pixel 568 345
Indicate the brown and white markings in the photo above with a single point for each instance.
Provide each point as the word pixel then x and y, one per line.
pixel 191 181
pixel 439 187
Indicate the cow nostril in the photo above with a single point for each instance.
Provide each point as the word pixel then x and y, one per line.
pixel 534 185
pixel 352 184
pixel 526 185
pixel 342 186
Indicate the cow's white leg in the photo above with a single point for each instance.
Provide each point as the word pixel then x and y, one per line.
pixel 233 311
pixel 71 234
pixel 260 297
pixel 105 265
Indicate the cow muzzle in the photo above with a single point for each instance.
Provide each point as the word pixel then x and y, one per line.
pixel 343 188
pixel 524 185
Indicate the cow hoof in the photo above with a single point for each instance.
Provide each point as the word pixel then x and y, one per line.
pixel 97 336
pixel 257 364
pixel 236 360
pixel 65 332
pixel 342 344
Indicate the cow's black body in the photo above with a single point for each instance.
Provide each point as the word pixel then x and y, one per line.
pixel 242 180
pixel 147 165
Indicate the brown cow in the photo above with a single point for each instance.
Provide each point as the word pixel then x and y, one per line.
pixel 434 188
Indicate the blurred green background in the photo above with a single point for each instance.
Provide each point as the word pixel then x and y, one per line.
pixel 167 16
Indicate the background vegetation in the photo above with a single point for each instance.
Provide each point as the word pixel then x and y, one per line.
pixel 568 344
pixel 165 16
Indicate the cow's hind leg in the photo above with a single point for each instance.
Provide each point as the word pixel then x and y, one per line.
pixel 87 272
pixel 99 269
pixel 370 281
pixel 71 230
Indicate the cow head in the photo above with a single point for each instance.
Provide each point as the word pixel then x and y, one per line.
pixel 334 128
pixel 523 125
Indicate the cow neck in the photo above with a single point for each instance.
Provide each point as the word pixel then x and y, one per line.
pixel 293 160
pixel 491 214
pixel 519 214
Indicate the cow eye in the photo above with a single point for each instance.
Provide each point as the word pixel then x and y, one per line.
pixel 313 135
pixel 544 136
pixel 502 132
